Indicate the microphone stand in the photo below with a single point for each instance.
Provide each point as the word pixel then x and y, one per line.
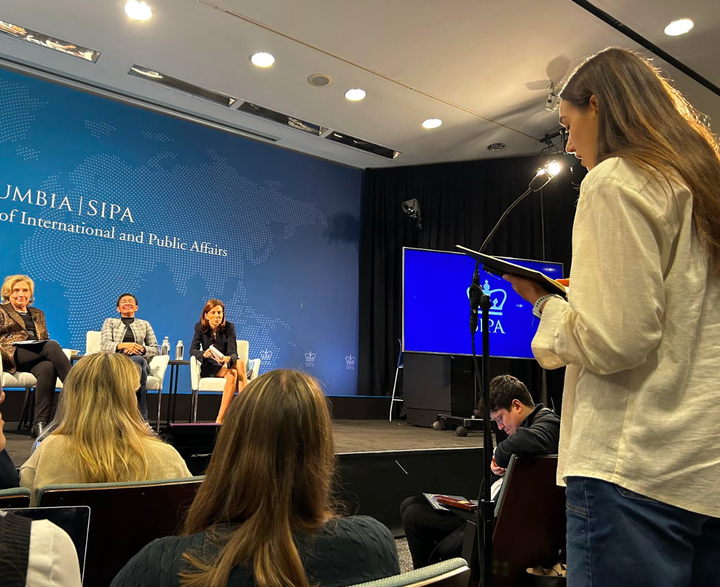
pixel 478 298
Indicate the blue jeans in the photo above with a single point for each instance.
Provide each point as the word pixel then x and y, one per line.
pixel 142 390
pixel 616 537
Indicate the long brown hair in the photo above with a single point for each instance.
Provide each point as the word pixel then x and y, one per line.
pixel 642 118
pixel 209 305
pixel 98 414
pixel 271 472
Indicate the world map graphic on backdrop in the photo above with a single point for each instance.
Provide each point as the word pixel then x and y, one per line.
pixel 100 198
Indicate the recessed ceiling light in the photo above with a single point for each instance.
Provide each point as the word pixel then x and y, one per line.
pixel 432 123
pixel 262 59
pixel 138 10
pixel 496 147
pixel 679 27
pixel 355 95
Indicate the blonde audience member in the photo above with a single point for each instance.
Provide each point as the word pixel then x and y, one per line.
pixel 264 514
pixel 99 435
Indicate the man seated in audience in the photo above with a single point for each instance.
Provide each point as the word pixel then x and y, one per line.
pixel 8 473
pixel 533 430
pixel 133 337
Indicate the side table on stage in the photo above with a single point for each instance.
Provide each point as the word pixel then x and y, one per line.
pixel 172 389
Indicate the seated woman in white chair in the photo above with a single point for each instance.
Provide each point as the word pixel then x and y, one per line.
pixel 214 345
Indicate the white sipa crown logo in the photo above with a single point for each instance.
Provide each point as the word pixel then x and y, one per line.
pixel 350 363
pixel 498 297
pixel 310 359
pixel 265 355
pixel 498 301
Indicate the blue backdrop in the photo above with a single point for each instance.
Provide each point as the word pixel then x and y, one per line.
pixel 99 197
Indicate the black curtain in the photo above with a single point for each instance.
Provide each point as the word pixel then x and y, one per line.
pixel 460 203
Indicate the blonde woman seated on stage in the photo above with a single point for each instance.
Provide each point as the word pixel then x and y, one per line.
pixel 264 517
pixel 99 435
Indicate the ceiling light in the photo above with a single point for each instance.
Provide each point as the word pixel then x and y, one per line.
pixel 432 123
pixel 679 27
pixel 355 95
pixel 262 59
pixel 138 10
pixel 496 147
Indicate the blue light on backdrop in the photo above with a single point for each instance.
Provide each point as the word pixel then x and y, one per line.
pixel 99 197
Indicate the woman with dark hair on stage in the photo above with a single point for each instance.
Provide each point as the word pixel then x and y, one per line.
pixel 32 351
pixel 264 515
pixel 639 333
pixel 221 360
pixel 99 434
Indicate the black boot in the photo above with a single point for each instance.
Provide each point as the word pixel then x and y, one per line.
pixel 37 429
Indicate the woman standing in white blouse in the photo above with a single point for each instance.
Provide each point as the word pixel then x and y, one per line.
pixel 640 332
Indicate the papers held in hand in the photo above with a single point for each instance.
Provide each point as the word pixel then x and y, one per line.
pixel 500 267
pixel 30 342
pixel 216 354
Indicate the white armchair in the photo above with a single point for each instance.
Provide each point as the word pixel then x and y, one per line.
pixel 157 366
pixel 24 380
pixel 198 384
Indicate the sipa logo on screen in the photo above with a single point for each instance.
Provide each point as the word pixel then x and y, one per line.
pixel 498 297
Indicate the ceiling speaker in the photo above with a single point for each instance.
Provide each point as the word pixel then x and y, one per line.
pixel 319 80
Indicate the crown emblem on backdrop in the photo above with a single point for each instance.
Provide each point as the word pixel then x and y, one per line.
pixel 497 296
pixel 350 361
pixel 265 355
pixel 310 356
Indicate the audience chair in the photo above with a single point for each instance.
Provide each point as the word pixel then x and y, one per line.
pixel 124 517
pixel 24 380
pixel 449 573
pixel 529 522
pixel 199 384
pixel 157 366
pixel 15 497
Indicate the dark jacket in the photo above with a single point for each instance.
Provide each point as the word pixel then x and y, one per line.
pixel 12 329
pixel 345 552
pixel 537 435
pixel 225 342
pixel 8 473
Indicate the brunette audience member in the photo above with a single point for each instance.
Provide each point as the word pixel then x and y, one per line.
pixel 639 333
pixel 264 515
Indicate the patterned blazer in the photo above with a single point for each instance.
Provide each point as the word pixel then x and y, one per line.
pixel 113 332
pixel 12 329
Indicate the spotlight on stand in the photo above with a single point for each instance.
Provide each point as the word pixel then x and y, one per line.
pixel 544 176
pixel 554 168
pixel 412 211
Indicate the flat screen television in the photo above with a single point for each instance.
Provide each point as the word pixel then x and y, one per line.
pixel 436 309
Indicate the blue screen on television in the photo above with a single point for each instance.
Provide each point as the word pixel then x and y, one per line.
pixel 436 309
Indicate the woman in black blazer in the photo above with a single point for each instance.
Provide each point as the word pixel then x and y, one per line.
pixel 213 330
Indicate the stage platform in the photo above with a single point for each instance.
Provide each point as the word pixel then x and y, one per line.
pixel 380 463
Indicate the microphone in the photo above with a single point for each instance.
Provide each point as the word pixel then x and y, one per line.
pixel 543 177
pixel 474 295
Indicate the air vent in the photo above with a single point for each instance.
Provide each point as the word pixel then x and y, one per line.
pixel 362 145
pixel 281 118
pixel 319 80
pixel 180 85
pixel 48 42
